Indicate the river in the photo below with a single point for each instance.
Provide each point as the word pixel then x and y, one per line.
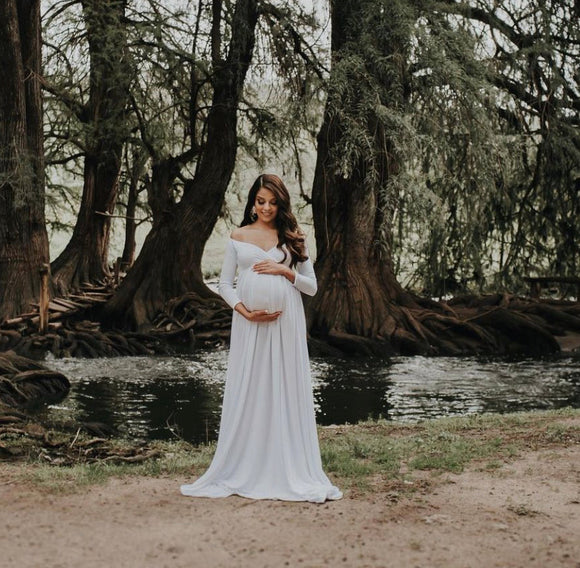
pixel 165 397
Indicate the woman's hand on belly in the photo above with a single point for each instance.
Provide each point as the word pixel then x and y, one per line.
pixel 257 316
pixel 273 267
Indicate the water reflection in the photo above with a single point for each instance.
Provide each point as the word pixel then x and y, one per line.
pixel 158 397
pixel 348 393
pixel 143 397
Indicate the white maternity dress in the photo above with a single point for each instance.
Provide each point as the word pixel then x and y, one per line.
pixel 267 445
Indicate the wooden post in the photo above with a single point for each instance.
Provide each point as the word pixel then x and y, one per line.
pixel 43 304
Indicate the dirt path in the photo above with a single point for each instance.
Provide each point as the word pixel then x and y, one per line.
pixel 524 514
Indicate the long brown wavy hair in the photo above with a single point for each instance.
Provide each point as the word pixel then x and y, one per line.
pixel 289 233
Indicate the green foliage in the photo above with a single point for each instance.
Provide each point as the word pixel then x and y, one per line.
pixel 367 90
pixel 477 119
pixel 507 207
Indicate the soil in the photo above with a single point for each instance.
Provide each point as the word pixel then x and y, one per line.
pixel 524 513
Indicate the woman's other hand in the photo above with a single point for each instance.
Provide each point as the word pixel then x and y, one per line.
pixel 273 267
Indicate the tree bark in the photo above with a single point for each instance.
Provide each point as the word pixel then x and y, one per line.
pixel 169 264
pixel 85 259
pixel 352 221
pixel 354 266
pixel 23 238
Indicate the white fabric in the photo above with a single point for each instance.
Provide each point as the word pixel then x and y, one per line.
pixel 268 445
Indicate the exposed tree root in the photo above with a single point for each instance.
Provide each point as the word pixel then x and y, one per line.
pixel 192 319
pixel 494 324
pixel 24 383
pixel 31 440
pixel 405 324
pixel 75 330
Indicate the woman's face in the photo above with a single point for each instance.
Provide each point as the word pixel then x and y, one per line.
pixel 266 205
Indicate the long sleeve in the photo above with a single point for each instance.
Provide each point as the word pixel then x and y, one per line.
pixel 305 279
pixel 226 284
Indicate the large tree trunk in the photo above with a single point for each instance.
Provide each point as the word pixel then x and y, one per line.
pixel 356 283
pixel 352 217
pixel 85 258
pixel 23 238
pixel 169 264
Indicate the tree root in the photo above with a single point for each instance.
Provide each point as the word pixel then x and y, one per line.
pixel 23 382
pixel 184 322
pixel 495 324
pixel 23 438
pixel 65 452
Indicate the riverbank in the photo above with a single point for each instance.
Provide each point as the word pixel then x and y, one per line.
pixel 487 490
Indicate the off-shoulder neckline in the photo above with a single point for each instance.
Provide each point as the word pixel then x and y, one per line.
pixel 254 245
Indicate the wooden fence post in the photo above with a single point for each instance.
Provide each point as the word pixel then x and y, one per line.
pixel 43 304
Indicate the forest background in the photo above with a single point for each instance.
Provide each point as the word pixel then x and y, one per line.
pixel 434 146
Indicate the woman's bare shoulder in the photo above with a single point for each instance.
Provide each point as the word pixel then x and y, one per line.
pixel 239 233
pixel 246 233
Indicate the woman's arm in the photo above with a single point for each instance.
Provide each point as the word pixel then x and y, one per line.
pixel 226 284
pixel 305 278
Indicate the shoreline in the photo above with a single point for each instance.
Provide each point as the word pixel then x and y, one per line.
pixel 355 454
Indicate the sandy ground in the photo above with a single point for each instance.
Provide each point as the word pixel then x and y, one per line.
pixel 525 513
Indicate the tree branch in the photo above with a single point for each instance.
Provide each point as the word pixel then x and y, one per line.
pixel 488 18
pixel 79 110
pixel 300 46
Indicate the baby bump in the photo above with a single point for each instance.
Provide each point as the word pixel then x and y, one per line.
pixel 262 291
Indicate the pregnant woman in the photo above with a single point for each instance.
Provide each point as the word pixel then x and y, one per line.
pixel 267 446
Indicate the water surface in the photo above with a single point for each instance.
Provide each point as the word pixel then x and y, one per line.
pixel 164 397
